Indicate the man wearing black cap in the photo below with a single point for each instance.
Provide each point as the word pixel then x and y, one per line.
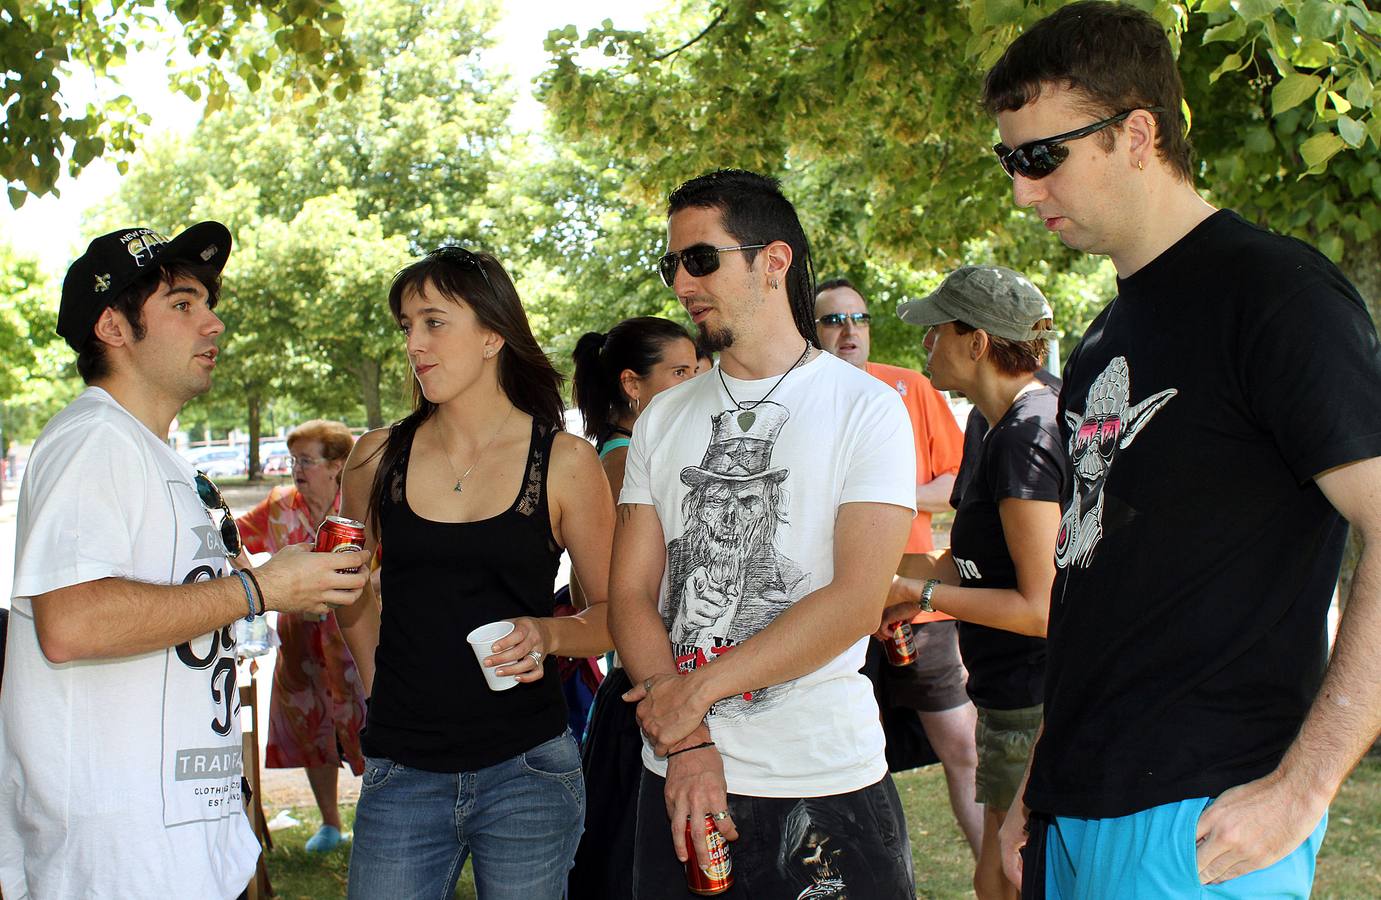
pixel 120 768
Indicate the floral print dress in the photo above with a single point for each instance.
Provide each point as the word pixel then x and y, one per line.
pixel 316 709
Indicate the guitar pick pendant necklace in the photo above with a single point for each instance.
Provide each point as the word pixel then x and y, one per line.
pixel 460 479
pixel 746 416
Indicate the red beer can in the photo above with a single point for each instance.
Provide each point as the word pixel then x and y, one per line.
pixel 714 876
pixel 901 646
pixel 336 535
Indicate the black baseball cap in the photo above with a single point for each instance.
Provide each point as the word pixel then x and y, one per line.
pixel 114 261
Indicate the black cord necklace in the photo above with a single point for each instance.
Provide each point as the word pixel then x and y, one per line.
pixel 747 408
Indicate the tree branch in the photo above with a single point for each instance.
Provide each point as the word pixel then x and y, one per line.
pixel 713 22
pixel 1365 35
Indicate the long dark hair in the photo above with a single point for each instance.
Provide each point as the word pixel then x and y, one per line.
pixel 638 344
pixel 526 375
pixel 753 210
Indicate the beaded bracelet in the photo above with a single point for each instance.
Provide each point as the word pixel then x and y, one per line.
pixel 689 749
pixel 249 597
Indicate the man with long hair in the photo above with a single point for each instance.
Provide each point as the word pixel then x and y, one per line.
pixel 764 508
pixel 1223 419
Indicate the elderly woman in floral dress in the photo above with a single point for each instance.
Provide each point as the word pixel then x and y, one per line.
pixel 317 705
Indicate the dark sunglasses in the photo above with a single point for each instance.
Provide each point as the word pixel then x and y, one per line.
pixel 465 258
pixel 699 260
pixel 211 498
pixel 1037 159
pixel 837 320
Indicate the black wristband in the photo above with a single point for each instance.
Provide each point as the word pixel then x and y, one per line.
pixel 263 604
pixel 689 749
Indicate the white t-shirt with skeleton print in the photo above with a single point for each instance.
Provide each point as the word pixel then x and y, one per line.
pixel 747 496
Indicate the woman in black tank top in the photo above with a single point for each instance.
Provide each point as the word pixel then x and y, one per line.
pixel 473 497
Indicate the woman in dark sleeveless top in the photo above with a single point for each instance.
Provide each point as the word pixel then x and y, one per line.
pixel 616 376
pixel 473 497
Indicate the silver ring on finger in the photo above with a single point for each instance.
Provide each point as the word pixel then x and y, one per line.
pixel 721 815
pixel 536 656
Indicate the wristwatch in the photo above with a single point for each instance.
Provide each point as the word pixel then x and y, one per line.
pixel 926 591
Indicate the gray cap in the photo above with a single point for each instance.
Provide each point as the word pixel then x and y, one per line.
pixel 994 298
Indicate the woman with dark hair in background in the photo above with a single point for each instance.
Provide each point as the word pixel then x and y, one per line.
pixel 616 376
pixel 316 709
pixel 473 496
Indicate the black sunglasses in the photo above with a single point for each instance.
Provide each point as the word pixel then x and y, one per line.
pixel 1037 159
pixel 837 320
pixel 465 258
pixel 699 260
pixel 211 498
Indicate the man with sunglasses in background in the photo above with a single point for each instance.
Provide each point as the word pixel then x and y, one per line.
pixel 765 506
pixel 120 750
pixel 933 685
pixel 1223 415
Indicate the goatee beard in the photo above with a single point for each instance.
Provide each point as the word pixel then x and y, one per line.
pixel 715 341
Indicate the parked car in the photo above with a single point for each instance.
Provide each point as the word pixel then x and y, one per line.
pixel 273 458
pixel 218 462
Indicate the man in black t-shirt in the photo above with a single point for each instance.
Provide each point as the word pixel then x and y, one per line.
pixel 1223 419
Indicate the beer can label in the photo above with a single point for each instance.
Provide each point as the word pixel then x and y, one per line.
pixel 708 868
pixel 901 646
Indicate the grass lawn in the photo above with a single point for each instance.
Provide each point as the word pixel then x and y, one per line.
pixel 1349 864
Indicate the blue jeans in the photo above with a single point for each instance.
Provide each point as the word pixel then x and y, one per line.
pixel 521 819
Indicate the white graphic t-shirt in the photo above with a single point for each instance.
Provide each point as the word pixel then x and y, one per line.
pixel 118 778
pixel 747 496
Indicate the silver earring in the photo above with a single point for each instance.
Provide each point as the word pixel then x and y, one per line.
pixel 636 406
pixel 775 284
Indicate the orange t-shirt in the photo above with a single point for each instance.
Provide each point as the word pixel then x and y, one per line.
pixel 939 444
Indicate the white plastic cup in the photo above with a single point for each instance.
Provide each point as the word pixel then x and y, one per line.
pixel 482 642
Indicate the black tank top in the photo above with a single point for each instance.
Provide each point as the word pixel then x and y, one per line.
pixel 431 708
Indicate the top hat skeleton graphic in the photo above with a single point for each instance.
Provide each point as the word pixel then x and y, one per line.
pixel 740 447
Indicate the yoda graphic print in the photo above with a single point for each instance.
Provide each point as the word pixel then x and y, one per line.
pixel 1109 426
pixel 726 578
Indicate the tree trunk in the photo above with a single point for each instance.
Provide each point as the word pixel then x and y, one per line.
pixel 369 372
pixel 252 398
pixel 1362 265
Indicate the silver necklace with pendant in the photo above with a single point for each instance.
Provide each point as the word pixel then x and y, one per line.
pixel 746 415
pixel 460 479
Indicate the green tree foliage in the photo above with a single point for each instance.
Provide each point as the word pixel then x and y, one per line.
pixel 36 372
pixel 44 44
pixel 869 111
pixel 327 199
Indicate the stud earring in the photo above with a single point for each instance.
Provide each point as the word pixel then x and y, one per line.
pixel 1139 166
pixel 775 284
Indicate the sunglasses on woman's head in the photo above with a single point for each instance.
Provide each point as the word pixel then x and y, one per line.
pixel 699 260
pixel 1037 159
pixel 211 498
pixel 465 258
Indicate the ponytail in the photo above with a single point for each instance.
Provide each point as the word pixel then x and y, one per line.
pixel 637 344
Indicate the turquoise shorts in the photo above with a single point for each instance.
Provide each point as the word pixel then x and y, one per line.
pixel 1152 854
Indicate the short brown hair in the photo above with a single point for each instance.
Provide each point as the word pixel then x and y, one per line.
pixel 1013 357
pixel 336 439
pixel 1114 55
pixel 92 362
